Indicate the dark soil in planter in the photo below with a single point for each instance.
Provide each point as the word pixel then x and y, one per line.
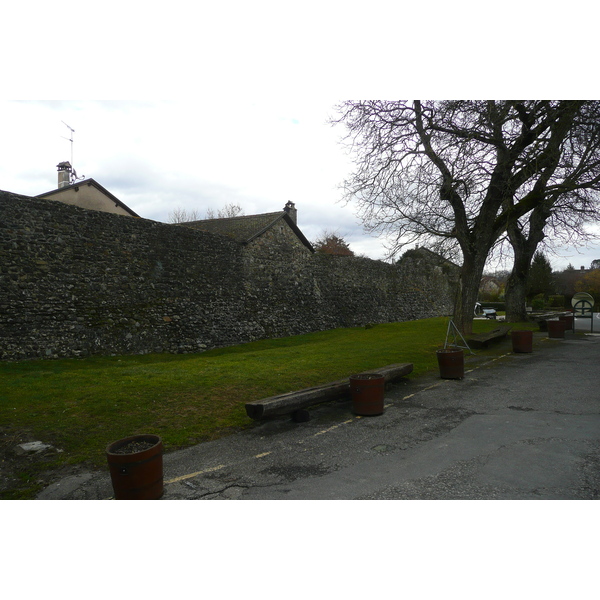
pixel 133 447
pixel 367 376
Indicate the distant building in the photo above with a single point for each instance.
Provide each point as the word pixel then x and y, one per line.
pixel 87 193
pixel 490 285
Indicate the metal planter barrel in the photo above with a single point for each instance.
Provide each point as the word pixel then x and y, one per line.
pixel 522 340
pixel 367 392
pixel 136 467
pixel 569 321
pixel 451 362
pixel 556 329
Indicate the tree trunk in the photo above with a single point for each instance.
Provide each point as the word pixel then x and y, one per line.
pixel 467 292
pixel 515 295
pixel 516 285
pixel 524 248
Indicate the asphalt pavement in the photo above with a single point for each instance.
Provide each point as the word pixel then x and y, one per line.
pixel 518 426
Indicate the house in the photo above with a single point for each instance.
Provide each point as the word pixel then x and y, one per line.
pixel 490 285
pixel 87 193
pixel 252 229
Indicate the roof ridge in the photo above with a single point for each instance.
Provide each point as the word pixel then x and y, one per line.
pixel 90 181
pixel 240 217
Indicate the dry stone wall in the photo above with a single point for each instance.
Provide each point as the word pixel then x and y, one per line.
pixel 76 282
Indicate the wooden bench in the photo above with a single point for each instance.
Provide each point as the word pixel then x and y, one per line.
pixel 482 340
pixel 542 318
pixel 292 402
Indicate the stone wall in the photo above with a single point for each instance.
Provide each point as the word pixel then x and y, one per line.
pixel 75 282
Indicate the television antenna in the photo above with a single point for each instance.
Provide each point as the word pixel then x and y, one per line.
pixel 70 139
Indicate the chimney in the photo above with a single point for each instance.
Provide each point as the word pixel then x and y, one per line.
pixel 290 209
pixel 64 174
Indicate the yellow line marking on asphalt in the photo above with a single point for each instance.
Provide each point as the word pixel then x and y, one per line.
pixel 492 360
pixel 334 427
pixel 431 386
pixel 190 475
pixel 263 454
pixel 210 470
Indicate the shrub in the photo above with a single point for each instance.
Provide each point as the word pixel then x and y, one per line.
pixel 538 302
pixel 557 301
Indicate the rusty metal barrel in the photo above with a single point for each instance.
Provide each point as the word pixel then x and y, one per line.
pixel 367 391
pixel 569 321
pixel 556 329
pixel 522 340
pixel 451 362
pixel 136 474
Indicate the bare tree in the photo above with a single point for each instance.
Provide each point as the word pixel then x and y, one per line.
pixel 183 215
pixel 228 211
pixel 569 184
pixel 455 173
pixel 543 228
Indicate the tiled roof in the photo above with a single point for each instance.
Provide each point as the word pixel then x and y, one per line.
pixel 245 229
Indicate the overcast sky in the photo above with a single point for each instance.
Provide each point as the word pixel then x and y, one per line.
pixel 260 81
pixel 158 155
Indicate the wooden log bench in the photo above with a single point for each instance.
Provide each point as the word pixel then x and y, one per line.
pixel 542 318
pixel 482 340
pixel 294 402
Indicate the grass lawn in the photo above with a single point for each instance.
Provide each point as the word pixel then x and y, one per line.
pixel 82 405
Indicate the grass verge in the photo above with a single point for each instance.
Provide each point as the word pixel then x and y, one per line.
pixel 82 405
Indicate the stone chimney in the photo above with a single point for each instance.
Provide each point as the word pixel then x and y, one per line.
pixel 64 174
pixel 290 209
